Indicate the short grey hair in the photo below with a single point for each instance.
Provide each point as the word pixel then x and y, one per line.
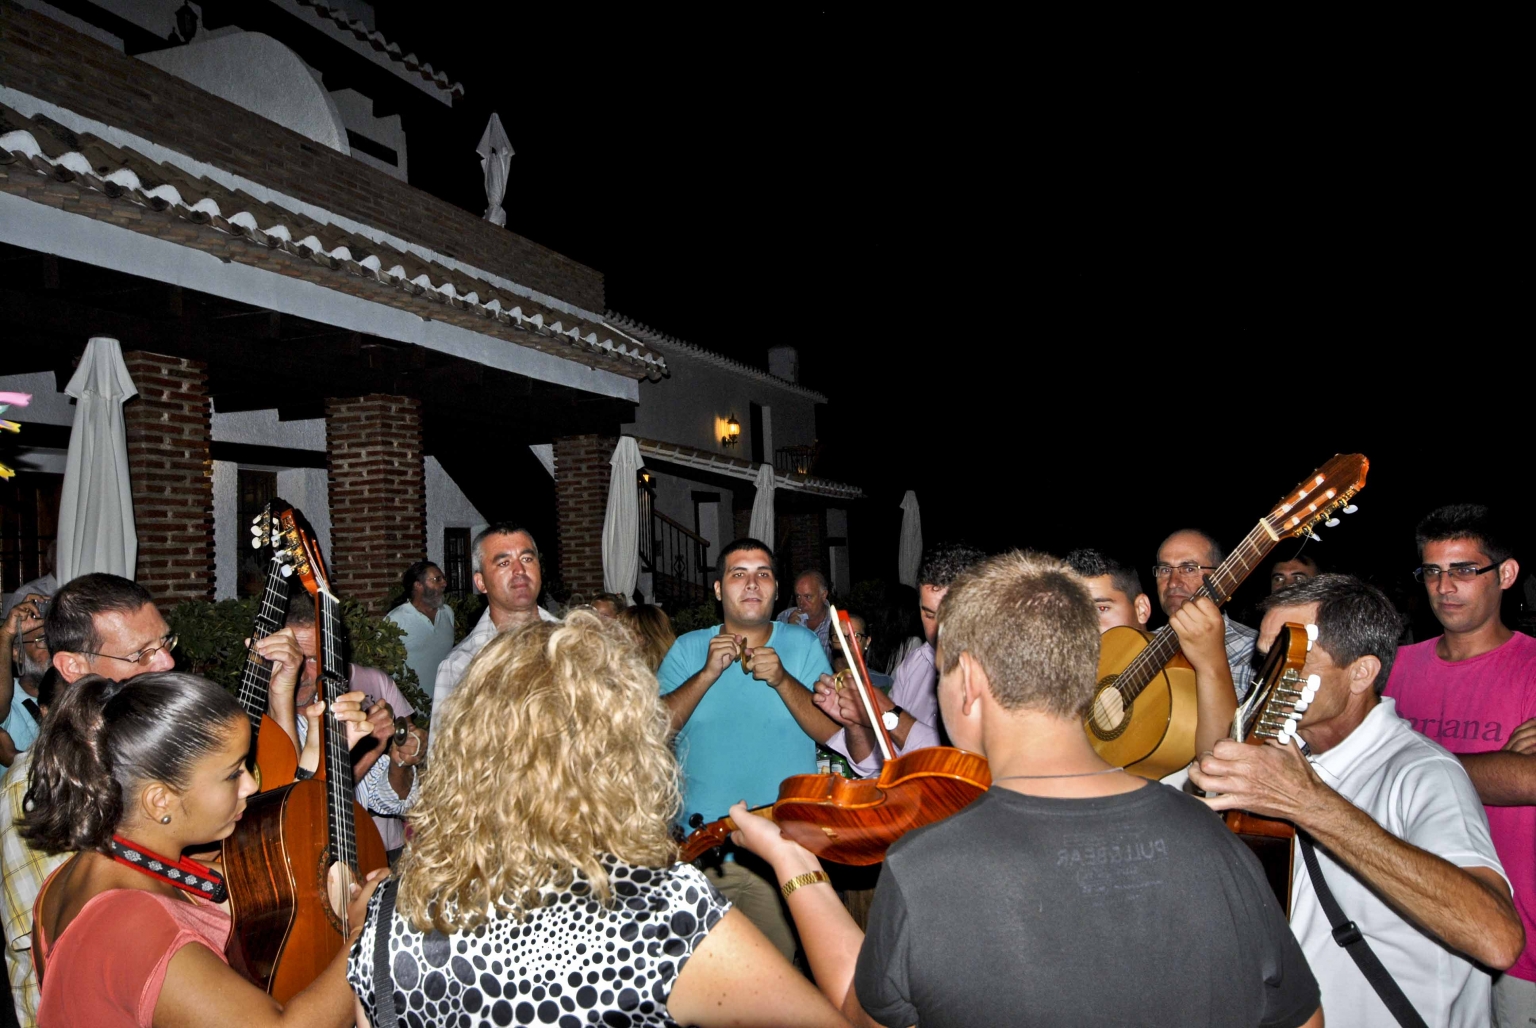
pixel 821 579
pixel 477 560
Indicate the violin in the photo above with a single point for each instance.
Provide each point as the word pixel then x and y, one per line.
pixel 855 820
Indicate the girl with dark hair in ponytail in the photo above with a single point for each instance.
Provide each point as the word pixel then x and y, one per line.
pixel 129 932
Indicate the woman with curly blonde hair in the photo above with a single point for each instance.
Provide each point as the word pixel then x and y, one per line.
pixel 540 883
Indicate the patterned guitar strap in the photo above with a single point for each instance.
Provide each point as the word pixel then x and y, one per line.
pixel 384 1013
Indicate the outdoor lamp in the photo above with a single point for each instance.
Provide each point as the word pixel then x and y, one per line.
pixel 732 434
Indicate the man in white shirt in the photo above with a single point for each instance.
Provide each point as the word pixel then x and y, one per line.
pixel 425 619
pixel 1401 837
pixel 507 571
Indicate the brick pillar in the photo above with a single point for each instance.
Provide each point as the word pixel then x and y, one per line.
pixel 808 551
pixel 168 428
pixel 378 494
pixel 581 504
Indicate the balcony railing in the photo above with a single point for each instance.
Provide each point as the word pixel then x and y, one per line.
pixel 796 460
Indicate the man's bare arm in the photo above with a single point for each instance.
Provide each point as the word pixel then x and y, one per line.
pixel 802 706
pixel 682 701
pixel 1502 778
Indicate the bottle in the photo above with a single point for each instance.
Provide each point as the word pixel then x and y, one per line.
pixel 831 762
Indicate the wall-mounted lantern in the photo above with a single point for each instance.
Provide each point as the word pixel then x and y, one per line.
pixel 732 433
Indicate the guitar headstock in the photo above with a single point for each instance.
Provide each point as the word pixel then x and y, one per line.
pixel 274 527
pixel 308 564
pixel 1315 500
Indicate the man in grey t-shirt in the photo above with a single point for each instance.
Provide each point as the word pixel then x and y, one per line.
pixel 1071 892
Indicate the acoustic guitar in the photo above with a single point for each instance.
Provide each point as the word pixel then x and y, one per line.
pixel 275 758
pixel 1143 715
pixel 289 909
pixel 1272 711
pixel 855 820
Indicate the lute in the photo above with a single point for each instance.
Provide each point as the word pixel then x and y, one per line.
pixel 1143 714
pixel 855 820
pixel 292 856
pixel 1273 710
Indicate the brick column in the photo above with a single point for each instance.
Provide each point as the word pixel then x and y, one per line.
pixel 377 492
pixel 168 428
pixel 581 504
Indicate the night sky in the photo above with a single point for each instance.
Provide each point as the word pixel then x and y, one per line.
pixel 1071 290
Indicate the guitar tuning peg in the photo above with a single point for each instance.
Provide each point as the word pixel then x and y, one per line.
pixel 256 529
pixel 1351 509
pixel 287 571
pixel 1332 523
pixel 255 544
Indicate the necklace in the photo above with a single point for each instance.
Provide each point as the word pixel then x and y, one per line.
pixel 1079 774
pixel 185 874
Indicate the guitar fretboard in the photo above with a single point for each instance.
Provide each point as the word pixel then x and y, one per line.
pixel 1219 585
pixel 256 675
pixel 339 785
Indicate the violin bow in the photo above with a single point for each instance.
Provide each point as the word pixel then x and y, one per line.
pixel 855 659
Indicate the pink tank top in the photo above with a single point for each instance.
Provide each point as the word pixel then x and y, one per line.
pixel 107 967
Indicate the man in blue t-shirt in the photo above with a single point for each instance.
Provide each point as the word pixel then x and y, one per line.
pixel 742 707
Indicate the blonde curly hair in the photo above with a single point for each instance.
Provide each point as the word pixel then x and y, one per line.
pixel 553 752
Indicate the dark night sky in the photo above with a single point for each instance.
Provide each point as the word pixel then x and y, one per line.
pixel 1070 294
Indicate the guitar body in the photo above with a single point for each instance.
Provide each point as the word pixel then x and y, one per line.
pixel 285 933
pixel 1154 734
pixel 276 759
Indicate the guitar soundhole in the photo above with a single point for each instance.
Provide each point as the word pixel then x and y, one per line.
pixel 1111 713
pixel 322 877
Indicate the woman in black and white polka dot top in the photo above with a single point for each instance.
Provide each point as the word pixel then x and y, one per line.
pixel 539 886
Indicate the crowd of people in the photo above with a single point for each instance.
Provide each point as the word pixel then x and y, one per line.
pixel 533 831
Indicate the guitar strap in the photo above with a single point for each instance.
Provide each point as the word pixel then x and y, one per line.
pixel 1347 934
pixel 384 1013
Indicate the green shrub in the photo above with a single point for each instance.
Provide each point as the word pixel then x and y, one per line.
pixel 691 619
pixel 466 614
pixel 211 643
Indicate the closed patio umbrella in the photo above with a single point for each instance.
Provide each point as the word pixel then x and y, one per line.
pixel 910 552
pixel 761 525
pixel 96 530
pixel 621 526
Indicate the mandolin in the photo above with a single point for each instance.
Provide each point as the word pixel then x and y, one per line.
pixel 1143 715
pixel 275 758
pixel 855 820
pixel 1272 711
pixel 291 857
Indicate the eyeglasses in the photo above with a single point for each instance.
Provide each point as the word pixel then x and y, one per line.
pixel 1459 572
pixel 1184 570
pixel 144 656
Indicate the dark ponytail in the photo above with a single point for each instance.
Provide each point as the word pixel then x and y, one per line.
pixel 102 738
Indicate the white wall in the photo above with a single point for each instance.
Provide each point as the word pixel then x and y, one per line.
pixel 357 115
pixel 48 407
pixel 447 507
pixel 687 406
pixel 261 428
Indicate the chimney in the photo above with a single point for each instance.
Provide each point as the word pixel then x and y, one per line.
pixel 784 362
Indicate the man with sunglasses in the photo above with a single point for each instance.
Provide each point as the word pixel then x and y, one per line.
pixel 1473 690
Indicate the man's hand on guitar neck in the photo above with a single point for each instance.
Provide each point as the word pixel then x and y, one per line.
pixel 1467 908
pixel 1202 636
pixel 282 651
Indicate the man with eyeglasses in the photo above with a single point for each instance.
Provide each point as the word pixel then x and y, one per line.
pixel 1183 561
pixel 1473 690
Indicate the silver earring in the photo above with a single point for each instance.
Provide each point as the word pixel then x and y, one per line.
pixel 166 819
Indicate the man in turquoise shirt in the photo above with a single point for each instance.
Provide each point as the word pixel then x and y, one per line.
pixel 745 717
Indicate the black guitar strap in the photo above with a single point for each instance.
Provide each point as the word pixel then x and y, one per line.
pixel 1347 934
pixel 384 1013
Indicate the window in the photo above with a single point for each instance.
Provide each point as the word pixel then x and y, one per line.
pixel 29 522
pixel 256 489
pixel 456 565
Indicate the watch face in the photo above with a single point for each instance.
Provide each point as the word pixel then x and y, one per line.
pixel 891 719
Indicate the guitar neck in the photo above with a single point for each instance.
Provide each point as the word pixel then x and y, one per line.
pixel 1219 587
pixel 339 786
pixel 256 675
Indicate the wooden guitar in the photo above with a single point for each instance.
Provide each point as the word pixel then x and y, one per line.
pixel 275 758
pixel 855 820
pixel 1143 716
pixel 289 907
pixel 1272 711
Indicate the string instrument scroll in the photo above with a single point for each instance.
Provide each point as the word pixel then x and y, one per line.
pixel 855 820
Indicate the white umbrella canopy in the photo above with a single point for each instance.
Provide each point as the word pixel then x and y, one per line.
pixel 495 151
pixel 621 526
pixel 96 530
pixel 910 552
pixel 761 525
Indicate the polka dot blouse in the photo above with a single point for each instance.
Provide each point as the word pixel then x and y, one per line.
pixel 571 964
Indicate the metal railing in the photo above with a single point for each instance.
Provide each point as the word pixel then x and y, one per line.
pixel 796 460
pixel 676 556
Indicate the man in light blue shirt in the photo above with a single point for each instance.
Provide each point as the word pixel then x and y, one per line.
pixel 21 640
pixel 812 609
pixel 741 705
pixel 426 620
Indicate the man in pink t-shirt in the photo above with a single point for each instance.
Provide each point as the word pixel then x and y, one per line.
pixel 1473 690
